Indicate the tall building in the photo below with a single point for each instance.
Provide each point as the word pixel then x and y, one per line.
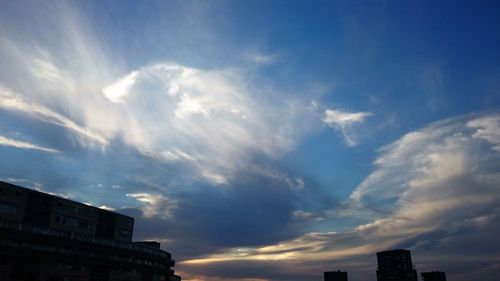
pixel 433 276
pixel 395 265
pixel 49 238
pixel 335 276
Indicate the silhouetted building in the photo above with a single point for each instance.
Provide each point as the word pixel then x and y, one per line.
pixel 395 265
pixel 174 278
pixel 49 238
pixel 433 276
pixel 335 276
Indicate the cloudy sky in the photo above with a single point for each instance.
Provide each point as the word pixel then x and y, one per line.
pixel 265 140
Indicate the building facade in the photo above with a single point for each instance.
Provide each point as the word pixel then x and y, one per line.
pixel 433 276
pixel 49 238
pixel 395 265
pixel 335 276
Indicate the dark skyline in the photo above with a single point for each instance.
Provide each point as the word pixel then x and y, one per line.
pixel 265 140
pixel 335 276
pixel 433 276
pixel 395 265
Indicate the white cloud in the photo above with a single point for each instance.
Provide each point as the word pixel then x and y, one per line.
pixel 15 102
pixel 343 121
pixel 188 106
pixel 107 208
pixel 488 129
pixel 342 118
pixel 24 145
pixel 210 122
pixel 294 183
pixel 439 152
pixel 117 91
pixel 436 179
pixel 155 205
pixel 207 120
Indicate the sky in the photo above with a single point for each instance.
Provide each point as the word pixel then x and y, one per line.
pixel 265 140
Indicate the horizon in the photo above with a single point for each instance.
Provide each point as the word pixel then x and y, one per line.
pixel 265 140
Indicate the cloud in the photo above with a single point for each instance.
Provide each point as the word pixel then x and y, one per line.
pixel 261 58
pixel 434 191
pixel 302 215
pixel 14 102
pixel 488 129
pixel 207 120
pixel 207 126
pixel 107 208
pixel 210 219
pixel 155 205
pixel 36 186
pixel 24 182
pixel 343 121
pixel 24 145
pixel 432 155
pixel 118 90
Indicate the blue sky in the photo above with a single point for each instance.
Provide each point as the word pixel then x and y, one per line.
pixel 265 140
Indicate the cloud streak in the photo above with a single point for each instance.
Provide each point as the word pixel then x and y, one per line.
pixel 117 91
pixel 155 205
pixel 11 101
pixel 24 145
pixel 343 121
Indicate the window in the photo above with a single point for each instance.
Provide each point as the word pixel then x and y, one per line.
pixel 82 224
pixel 8 208
pixel 124 232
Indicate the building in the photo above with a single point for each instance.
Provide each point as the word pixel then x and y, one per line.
pixel 433 276
pixel 395 265
pixel 174 278
pixel 335 276
pixel 49 238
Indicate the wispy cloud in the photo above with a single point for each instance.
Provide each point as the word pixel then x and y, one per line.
pixel 24 182
pixel 261 58
pixel 37 186
pixel 208 120
pixel 155 205
pixel 117 91
pixel 107 208
pixel 343 121
pixel 488 129
pixel 24 145
pixel 11 101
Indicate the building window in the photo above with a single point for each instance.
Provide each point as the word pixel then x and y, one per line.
pixel 7 208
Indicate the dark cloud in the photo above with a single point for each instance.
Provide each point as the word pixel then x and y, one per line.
pixel 254 211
